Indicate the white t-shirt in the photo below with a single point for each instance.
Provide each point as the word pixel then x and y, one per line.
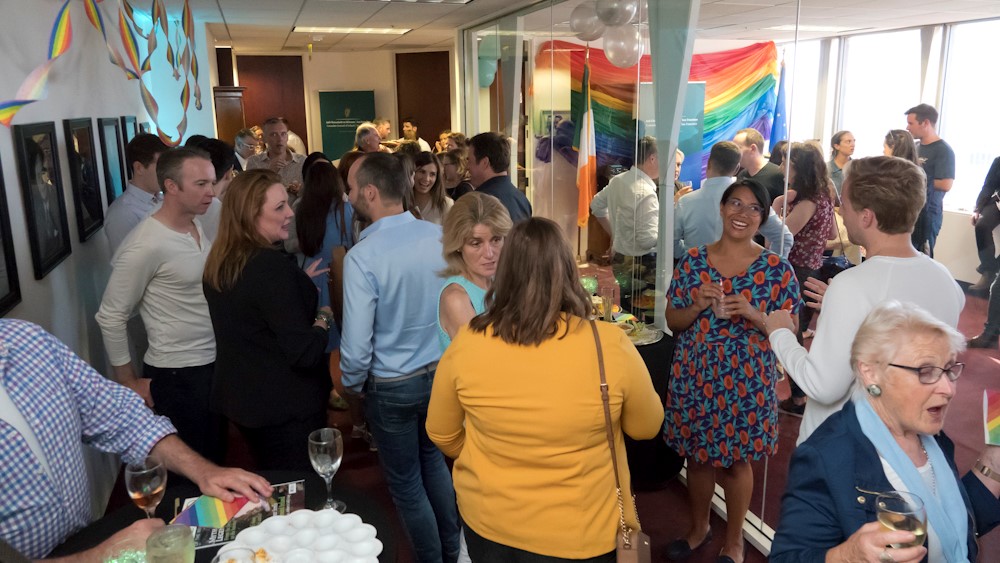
pixel 824 371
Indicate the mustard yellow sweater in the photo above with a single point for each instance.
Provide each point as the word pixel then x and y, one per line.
pixel 526 428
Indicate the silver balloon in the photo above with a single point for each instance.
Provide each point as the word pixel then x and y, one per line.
pixel 585 23
pixel 623 45
pixel 617 12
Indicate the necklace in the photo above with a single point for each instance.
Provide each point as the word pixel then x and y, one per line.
pixel 929 464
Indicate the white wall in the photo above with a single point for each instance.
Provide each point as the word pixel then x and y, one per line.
pixel 82 83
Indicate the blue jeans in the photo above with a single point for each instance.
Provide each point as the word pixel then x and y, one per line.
pixel 414 468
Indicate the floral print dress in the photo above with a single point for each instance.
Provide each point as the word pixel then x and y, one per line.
pixel 721 404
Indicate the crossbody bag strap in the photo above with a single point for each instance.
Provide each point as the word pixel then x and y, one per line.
pixel 611 436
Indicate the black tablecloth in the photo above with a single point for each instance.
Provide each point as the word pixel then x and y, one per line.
pixel 357 503
pixel 651 463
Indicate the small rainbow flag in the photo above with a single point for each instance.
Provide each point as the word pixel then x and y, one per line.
pixel 991 416
pixel 210 512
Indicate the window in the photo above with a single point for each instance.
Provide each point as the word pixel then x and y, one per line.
pixel 966 112
pixel 881 81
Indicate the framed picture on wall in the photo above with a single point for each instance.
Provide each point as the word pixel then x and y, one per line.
pixel 84 178
pixel 10 287
pixel 145 127
pixel 41 186
pixel 111 147
pixel 130 128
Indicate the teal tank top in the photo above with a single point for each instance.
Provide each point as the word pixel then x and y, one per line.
pixel 477 296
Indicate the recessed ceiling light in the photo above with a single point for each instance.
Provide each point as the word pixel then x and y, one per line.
pixel 369 30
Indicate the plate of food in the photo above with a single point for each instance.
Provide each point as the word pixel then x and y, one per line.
pixel 306 536
pixel 645 300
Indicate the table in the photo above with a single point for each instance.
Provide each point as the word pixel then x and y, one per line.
pixel 652 463
pixel 357 503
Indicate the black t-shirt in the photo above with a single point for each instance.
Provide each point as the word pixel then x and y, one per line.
pixel 938 161
pixel 770 176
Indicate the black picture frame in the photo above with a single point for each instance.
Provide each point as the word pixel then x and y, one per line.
pixel 85 180
pixel 10 285
pixel 130 129
pixel 44 200
pixel 109 130
pixel 145 127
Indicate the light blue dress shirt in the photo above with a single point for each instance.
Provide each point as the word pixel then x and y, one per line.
pixel 697 220
pixel 391 285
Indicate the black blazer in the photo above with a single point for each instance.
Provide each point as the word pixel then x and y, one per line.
pixel 270 365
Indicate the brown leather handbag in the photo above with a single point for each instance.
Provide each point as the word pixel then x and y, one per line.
pixel 632 545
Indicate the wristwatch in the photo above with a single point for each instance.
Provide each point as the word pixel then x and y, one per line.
pixel 987 471
pixel 325 317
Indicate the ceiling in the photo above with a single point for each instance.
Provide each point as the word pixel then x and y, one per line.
pixel 265 26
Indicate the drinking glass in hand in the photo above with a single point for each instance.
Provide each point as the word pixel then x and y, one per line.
pixel 902 512
pixel 146 482
pixel 170 544
pixel 326 450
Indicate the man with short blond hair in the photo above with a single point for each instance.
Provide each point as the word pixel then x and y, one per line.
pixel 882 198
pixel 755 165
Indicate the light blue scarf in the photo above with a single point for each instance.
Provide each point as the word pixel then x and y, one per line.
pixel 946 512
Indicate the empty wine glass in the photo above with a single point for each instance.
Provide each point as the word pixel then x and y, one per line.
pixel 326 450
pixel 146 481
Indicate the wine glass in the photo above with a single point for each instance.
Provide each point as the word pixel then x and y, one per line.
pixel 146 481
pixel 326 450
pixel 902 512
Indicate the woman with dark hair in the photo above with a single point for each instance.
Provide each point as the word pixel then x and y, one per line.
pixel 720 409
pixel 778 154
pixel 455 173
pixel 271 376
pixel 428 188
pixel 899 142
pixel 519 452
pixel 810 219
pixel 842 148
pixel 322 222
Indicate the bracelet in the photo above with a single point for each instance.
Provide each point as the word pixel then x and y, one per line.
pixel 987 471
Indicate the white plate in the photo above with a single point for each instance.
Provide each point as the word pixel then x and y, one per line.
pixel 307 535
pixel 648 335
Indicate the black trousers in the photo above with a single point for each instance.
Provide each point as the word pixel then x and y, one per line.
pixel 482 550
pixel 989 219
pixel 182 394
pixel 283 446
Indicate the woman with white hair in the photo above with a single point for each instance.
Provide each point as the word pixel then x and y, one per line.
pixel 889 438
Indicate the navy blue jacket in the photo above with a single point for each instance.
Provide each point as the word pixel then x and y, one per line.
pixel 834 478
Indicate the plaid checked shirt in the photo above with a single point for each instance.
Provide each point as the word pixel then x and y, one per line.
pixel 65 402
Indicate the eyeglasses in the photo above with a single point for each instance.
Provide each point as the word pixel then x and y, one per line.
pixel 929 375
pixel 740 207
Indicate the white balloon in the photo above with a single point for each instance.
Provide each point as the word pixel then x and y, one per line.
pixel 623 45
pixel 585 23
pixel 617 12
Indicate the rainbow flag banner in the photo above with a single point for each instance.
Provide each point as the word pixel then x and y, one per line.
pixel 210 512
pixel 991 416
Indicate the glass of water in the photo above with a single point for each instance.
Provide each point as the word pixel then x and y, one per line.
pixel 170 544
pixel 326 450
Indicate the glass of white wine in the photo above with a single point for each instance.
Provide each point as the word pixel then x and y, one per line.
pixel 326 450
pixel 146 481
pixel 902 512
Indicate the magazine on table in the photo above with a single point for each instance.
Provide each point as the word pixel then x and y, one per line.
pixel 214 522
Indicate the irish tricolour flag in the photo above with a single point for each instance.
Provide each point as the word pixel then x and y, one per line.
pixel 586 167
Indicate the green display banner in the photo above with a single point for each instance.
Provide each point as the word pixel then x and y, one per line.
pixel 341 113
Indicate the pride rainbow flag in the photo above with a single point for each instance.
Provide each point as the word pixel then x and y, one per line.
pixel 991 416
pixel 210 512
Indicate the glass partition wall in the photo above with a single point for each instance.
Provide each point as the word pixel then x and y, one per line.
pixel 529 75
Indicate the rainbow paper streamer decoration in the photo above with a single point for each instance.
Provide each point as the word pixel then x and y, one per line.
pixel 35 85
pixel 991 416
pixel 210 512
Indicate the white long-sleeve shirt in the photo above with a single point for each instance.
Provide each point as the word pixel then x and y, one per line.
pixel 824 371
pixel 160 270
pixel 629 202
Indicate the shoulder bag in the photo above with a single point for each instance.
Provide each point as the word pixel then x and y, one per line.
pixel 632 545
